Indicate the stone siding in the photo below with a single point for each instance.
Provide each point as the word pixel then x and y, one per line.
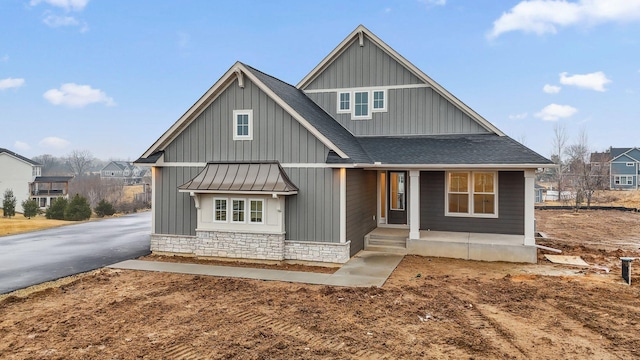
pixel 250 246
pixel 317 251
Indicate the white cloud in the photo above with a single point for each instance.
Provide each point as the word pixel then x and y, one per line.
pixel 21 146
pixel 518 116
pixel 551 89
pixel 434 2
pixel 9 83
pixel 68 5
pixel 57 21
pixel 554 112
pixel 593 81
pixel 545 16
pixel 53 142
pixel 74 95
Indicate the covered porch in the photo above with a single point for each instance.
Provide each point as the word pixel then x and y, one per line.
pixel 458 245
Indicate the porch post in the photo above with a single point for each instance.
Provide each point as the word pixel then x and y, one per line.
pixel 414 204
pixel 343 205
pixel 529 201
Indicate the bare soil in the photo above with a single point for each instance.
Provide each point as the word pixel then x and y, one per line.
pixel 429 308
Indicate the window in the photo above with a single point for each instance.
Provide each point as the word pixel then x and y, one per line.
pixel 238 210
pixel 379 103
pixel 344 102
pixel 630 164
pixel 220 209
pixel 257 213
pixel 623 180
pixel 471 194
pixel 361 105
pixel 242 124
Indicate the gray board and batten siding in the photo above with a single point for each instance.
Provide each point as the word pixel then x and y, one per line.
pixel 312 215
pixel 510 206
pixel 276 134
pixel 410 111
pixel 361 206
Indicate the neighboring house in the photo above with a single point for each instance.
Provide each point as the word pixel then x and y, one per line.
pixel 16 172
pixel 45 189
pixel 124 171
pixel 539 190
pixel 366 152
pixel 624 168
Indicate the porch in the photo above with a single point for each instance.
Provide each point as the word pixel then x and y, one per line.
pixel 458 245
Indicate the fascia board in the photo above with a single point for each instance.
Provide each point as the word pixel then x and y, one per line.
pixel 193 112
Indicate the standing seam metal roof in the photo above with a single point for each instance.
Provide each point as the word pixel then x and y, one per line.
pixel 266 177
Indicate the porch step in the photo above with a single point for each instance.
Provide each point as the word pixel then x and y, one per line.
pixel 386 243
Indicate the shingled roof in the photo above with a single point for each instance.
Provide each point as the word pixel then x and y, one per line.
pixel 9 152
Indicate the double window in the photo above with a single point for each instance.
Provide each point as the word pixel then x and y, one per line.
pixel 242 124
pixel 239 210
pixel 471 193
pixel 364 102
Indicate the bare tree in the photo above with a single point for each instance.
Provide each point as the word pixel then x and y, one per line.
pixel 584 178
pixel 95 189
pixel 79 161
pixel 557 156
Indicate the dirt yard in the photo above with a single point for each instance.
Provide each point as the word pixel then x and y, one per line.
pixel 429 308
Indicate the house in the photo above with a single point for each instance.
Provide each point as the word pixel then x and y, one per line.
pixel 16 172
pixel 46 189
pixel 124 171
pixel 539 193
pixel 624 168
pixel 366 152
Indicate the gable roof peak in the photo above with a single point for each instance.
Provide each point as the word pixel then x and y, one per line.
pixel 360 32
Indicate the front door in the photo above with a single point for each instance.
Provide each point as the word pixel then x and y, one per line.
pixel 397 198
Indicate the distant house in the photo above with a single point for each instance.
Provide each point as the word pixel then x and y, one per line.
pixel 624 168
pixel 16 173
pixel 366 152
pixel 539 190
pixel 46 189
pixel 124 171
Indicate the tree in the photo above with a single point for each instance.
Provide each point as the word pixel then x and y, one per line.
pixel 79 161
pixel 9 203
pixel 56 209
pixel 30 208
pixel 559 149
pixel 78 209
pixel 104 208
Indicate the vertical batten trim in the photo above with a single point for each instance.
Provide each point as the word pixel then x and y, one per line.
pixel 343 205
pixel 414 204
pixel 529 214
pixel 154 171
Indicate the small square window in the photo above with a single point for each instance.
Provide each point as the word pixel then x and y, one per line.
pixel 379 102
pixel 344 102
pixel 242 124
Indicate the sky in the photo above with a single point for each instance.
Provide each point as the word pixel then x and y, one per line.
pixel 111 76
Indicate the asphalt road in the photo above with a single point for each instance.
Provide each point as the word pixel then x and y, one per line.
pixel 36 257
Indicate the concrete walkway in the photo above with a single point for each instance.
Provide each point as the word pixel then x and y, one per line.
pixel 367 268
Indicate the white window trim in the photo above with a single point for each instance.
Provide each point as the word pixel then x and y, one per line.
pixel 630 164
pixel 348 110
pixel 215 209
pixel 249 211
pixel 248 112
pixel 471 193
pixel 353 107
pixel 384 98
pixel 231 210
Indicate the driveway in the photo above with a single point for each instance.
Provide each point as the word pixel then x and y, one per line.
pixel 36 257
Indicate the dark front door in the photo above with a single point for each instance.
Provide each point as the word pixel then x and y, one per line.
pixel 397 201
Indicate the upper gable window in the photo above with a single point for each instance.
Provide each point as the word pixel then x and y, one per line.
pixel 242 124
pixel 379 100
pixel 344 102
pixel 361 105
pixel 630 164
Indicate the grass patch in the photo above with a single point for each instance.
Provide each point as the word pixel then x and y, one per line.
pixel 20 224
